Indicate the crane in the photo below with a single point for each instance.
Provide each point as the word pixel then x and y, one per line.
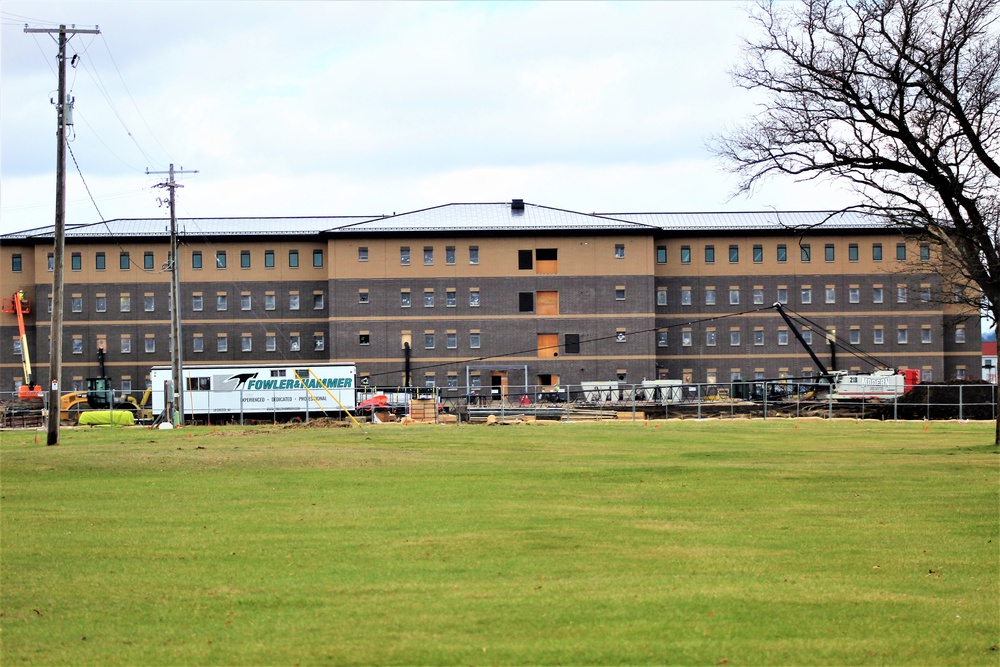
pixel 17 304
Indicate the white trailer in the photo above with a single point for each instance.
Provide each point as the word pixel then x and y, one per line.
pixel 279 391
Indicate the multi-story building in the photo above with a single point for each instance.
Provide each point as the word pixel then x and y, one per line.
pixel 505 295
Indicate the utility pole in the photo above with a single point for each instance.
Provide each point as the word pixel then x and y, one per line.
pixel 63 108
pixel 176 344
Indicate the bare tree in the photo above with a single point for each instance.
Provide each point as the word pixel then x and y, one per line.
pixel 899 98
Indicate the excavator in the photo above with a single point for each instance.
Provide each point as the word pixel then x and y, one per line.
pixel 101 396
pixel 21 306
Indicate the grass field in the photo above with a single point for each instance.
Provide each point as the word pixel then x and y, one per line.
pixel 703 543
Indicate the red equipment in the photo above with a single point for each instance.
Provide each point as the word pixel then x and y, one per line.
pixel 21 306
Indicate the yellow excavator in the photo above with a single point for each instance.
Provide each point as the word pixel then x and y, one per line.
pixel 101 396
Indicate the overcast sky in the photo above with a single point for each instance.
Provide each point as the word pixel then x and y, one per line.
pixel 342 108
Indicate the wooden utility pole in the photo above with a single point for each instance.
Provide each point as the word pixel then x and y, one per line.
pixel 63 108
pixel 176 344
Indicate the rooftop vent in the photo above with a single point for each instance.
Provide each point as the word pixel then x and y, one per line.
pixel 517 205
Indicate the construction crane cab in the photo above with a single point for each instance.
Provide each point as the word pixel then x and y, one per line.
pixel 20 306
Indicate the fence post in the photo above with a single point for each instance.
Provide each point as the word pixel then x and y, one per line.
pixel 765 399
pixel 633 402
pixel 960 402
pixel 699 399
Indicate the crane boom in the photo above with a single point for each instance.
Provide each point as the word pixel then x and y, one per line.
pixel 802 341
pixel 29 389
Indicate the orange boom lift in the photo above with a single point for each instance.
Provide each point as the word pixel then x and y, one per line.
pixel 21 306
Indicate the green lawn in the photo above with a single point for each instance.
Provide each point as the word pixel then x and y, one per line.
pixel 720 542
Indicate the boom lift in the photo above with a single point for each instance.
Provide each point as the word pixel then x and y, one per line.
pixel 21 306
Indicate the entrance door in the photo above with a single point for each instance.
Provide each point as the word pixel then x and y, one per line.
pixel 498 385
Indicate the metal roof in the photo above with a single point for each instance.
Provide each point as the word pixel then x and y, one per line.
pixel 496 217
pixel 466 218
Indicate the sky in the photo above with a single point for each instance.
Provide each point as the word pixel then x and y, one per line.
pixel 370 108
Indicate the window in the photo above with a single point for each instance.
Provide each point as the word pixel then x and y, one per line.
pixel 363 296
pixel 685 254
pixel 831 295
pixel 77 346
pixel 362 253
pixel 782 252
pixel 474 297
pixel 925 293
pixel 878 337
pixel 734 297
pixel 925 335
pixel 852 252
pixel 269 302
pixel 451 340
pixel 270 343
pixel 473 254
pixel 474 340
pixel 686 339
pixel 619 251
pixel 404 299
pixel 197 302
pixel 123 261
pixel 619 294
pixel 734 254
pixel 220 259
pixel 855 336
pixel 221 302
pixel 758 296
pixel 878 295
pixel 429 340
pixel 807 295
pixel 450 298
pixel 828 252
pixel 876 252
pixel 709 296
pixel 901 294
pixel 101 304
pixel 805 252
pixel 222 343
pixel 782 295
pixel 710 254
pixel 686 296
pixel 758 254
pixel 734 337
pixel 293 259
pixel 317 258
pixel 525 260
pixel 661 339
pixel 126 345
pixel 661 296
pixel 246 343
pixel 364 338
pixel 854 295
pixel 51 262
pixel 149 303
pixel 150 345
pixel 710 338
pixel 807 336
pixel 125 303
pixel 526 302
pixel 294 343
pixel 100 262
pixel 49 305
pixel 449 255
pixel 404 255
pixel 244 259
pixel 293 301
pixel 925 252
pixel 268 259
pixel 661 254
pixel 758 337
pixel 901 336
pixel 782 336
pixel 76 304
pixel 196 262
pixel 147 261
pixel 901 252
pixel 960 335
pixel 959 373
pixel 319 301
